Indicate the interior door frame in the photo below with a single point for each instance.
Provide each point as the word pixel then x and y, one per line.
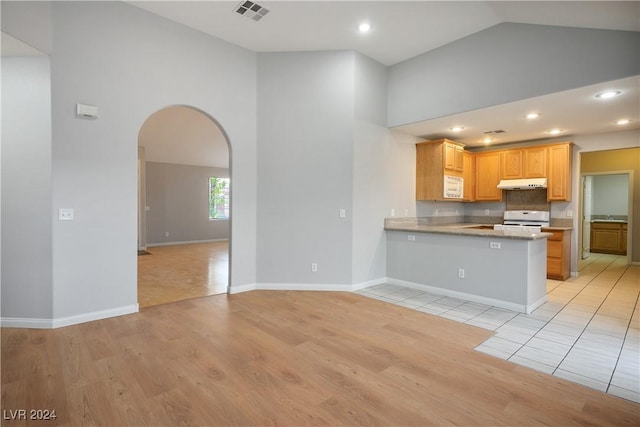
pixel 142 201
pixel 630 224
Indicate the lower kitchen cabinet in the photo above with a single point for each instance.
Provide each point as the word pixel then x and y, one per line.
pixel 558 254
pixel 609 238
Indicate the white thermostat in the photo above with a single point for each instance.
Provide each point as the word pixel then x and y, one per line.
pixel 87 111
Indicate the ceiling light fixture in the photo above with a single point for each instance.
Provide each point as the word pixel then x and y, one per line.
pixel 623 122
pixel 608 94
pixel 532 116
pixel 457 128
pixel 364 27
pixel 555 131
pixel 487 140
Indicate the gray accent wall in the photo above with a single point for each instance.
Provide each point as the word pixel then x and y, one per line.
pixel 305 147
pixel 505 63
pixel 129 63
pixel 26 188
pixel 178 202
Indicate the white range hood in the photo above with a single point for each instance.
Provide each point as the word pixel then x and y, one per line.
pixel 522 184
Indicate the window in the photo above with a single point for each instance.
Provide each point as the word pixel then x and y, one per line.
pixel 218 198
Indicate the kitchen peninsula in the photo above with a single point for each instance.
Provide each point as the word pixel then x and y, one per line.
pixel 469 261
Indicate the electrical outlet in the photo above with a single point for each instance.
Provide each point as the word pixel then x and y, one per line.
pixel 65 214
pixel 569 213
pixel 486 212
pixel 495 245
pixel 411 237
pixel 314 267
pixel 343 213
pixel 461 273
pixel 393 212
pixel 166 234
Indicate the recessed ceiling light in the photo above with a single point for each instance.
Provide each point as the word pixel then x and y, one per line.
pixel 487 140
pixel 608 94
pixel 623 122
pixel 532 116
pixel 555 131
pixel 364 27
pixel 457 128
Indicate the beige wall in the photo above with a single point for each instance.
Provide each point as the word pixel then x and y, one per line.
pixel 627 159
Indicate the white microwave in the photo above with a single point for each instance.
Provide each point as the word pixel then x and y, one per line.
pixel 453 187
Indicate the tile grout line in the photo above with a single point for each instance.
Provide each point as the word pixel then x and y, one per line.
pixel 623 341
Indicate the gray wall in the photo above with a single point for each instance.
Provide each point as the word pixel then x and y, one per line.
pixel 178 201
pixel 383 172
pixel 305 147
pixel 26 188
pixel 610 195
pixel 505 63
pixel 130 64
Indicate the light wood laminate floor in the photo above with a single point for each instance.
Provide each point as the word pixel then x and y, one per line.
pixel 267 358
pixel 180 272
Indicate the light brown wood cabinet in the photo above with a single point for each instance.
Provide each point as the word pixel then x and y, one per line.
pixel 609 238
pixel 558 254
pixel 535 162
pixel 513 164
pixel 469 176
pixel 559 172
pixel 529 162
pixel 488 175
pixel 434 161
pixel 453 156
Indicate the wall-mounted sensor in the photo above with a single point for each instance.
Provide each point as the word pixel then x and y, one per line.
pixel 87 111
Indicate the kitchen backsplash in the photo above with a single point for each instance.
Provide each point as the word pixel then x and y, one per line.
pixel 527 200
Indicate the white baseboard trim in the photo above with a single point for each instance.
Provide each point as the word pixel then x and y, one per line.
pixel 367 284
pixel 237 289
pixel 305 286
pixel 19 322
pixel 522 308
pixel 186 242
pixel 16 322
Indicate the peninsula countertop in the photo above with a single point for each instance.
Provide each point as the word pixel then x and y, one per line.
pixel 459 229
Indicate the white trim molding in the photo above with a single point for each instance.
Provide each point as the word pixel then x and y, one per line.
pixel 186 242
pixel 17 322
pixel 522 308
pixel 336 287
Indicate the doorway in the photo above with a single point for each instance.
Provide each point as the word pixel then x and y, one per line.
pixel 184 223
pixel 606 202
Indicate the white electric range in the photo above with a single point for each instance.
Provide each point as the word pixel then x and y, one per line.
pixel 525 221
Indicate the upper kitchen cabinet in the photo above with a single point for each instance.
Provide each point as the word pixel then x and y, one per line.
pixel 488 175
pixel 559 172
pixel 469 176
pixel 439 170
pixel 453 156
pixel 535 162
pixel 530 162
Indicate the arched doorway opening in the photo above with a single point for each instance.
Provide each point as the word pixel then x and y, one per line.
pixel 184 215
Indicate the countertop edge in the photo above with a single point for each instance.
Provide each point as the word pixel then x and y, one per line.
pixel 468 230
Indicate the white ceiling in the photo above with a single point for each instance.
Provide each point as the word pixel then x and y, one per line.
pixel 404 29
pixel 399 29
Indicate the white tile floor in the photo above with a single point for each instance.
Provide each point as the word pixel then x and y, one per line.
pixel 588 331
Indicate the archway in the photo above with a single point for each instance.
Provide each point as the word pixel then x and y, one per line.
pixel 184 206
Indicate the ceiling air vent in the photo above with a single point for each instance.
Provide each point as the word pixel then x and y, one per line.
pixel 251 10
pixel 493 132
